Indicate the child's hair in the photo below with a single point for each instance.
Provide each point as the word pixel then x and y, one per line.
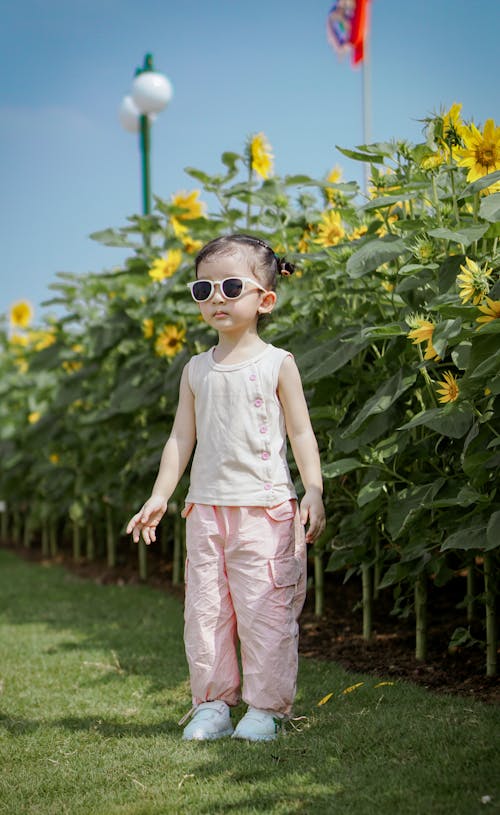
pixel 262 261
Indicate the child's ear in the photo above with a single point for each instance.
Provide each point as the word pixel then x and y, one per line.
pixel 267 303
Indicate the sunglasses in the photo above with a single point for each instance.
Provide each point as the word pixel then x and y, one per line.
pixel 230 288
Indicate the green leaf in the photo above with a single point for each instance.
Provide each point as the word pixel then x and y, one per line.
pixel 373 254
pixel 404 507
pixel 200 175
pixel 490 208
pixel 300 179
pixel 463 498
pixel 373 158
pixel 231 160
pixel 444 331
pixel 340 467
pixel 110 237
pixel 465 235
pixel 448 272
pixel 369 492
pixel 387 200
pixel 452 420
pixel 384 397
pixel 469 538
pixel 330 356
pixel 490 365
pixel 493 531
pixel 480 184
pixel 381 331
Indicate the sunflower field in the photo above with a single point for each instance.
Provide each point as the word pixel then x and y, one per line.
pixel 393 316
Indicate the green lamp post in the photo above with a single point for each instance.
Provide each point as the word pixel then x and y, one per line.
pixel 150 94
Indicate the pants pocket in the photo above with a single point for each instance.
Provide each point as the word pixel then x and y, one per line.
pixel 285 571
pixel 282 512
pixel 187 509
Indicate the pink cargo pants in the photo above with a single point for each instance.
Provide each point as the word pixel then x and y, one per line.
pixel 245 580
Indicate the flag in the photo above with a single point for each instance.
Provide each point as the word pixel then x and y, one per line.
pixel 347 26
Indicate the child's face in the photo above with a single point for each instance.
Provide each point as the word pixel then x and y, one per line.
pixel 226 315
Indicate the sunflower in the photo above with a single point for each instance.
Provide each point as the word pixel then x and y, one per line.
pixel 422 331
pixel 334 177
pixel 423 248
pixel 167 266
pixel 481 153
pixel 453 127
pixel 41 339
pixel 358 233
pixel 491 310
pixel 473 283
pixel 21 314
pixel 330 229
pixel 261 157
pixel 448 388
pixel 148 328
pixel 170 341
pixel 432 161
pixel 190 244
pixel 34 417
pixel 188 201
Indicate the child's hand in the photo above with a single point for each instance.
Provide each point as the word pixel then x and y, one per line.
pixel 147 519
pixel 312 510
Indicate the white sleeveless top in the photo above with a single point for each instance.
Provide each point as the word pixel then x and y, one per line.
pixel 240 455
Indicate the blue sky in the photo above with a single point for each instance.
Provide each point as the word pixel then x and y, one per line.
pixel 68 168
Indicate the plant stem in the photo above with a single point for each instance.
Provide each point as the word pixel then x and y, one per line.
pixel 377 569
pixel 53 538
pixel 436 200
pixel 471 588
pixel 27 532
pixel 4 534
pixel 367 583
pixel 143 560
pixel 110 537
pixel 90 549
pixel 319 586
pixel 421 617
pixel 77 542
pixel 45 538
pixel 491 632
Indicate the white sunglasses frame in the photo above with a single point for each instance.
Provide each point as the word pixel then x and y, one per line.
pixel 220 283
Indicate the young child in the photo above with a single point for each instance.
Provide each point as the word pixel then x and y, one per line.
pixel 245 542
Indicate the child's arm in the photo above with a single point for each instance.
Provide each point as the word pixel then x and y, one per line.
pixel 174 460
pixel 304 447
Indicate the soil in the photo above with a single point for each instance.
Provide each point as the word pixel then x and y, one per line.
pixel 337 635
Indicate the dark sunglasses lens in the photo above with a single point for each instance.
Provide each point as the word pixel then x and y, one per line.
pixel 232 287
pixel 202 290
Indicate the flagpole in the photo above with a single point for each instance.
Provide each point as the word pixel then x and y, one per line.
pixel 366 103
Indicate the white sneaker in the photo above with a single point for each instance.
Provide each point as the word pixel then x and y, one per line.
pixel 257 725
pixel 211 720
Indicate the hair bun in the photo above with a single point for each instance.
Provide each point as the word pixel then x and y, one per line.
pixel 285 269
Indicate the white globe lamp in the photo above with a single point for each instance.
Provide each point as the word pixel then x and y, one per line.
pixel 151 92
pixel 129 115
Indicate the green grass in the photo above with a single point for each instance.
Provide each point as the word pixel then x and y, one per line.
pixel 93 682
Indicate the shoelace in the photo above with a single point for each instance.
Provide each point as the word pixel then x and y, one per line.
pixel 186 716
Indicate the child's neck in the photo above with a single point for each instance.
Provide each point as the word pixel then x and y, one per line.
pixel 232 349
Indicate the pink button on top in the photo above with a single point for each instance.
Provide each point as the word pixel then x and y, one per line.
pixel 265 455
pixel 258 403
pixel 252 377
pixel 268 486
pixel 263 429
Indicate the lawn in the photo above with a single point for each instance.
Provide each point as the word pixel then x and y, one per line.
pixel 93 681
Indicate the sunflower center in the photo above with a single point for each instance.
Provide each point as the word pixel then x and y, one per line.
pixel 486 155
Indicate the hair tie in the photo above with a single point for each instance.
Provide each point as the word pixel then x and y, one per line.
pixel 285 269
